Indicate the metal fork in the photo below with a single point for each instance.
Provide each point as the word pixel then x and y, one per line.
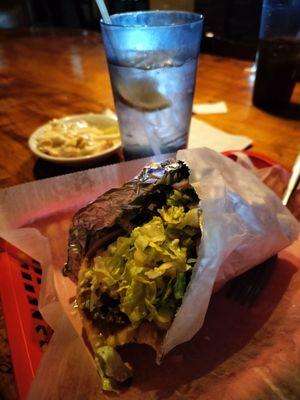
pixel 246 288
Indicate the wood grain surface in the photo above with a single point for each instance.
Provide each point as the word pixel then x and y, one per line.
pixel 48 74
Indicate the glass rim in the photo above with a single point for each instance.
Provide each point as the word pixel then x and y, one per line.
pixel 199 18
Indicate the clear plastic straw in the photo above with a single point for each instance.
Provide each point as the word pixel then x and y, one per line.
pixel 103 10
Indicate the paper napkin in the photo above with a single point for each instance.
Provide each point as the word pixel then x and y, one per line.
pixel 219 107
pixel 205 135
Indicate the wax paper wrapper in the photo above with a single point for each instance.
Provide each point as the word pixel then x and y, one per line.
pixel 244 224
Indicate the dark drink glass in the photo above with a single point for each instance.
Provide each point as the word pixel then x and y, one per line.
pixel 278 54
pixel 277 63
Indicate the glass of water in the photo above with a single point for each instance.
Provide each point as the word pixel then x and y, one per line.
pixel 152 58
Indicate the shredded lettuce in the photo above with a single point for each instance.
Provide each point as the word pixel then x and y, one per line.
pixel 179 287
pixel 111 368
pixel 146 272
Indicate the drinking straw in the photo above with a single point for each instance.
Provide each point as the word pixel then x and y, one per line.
pixel 103 11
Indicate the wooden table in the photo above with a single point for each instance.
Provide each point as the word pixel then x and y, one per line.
pixel 47 74
pixel 51 74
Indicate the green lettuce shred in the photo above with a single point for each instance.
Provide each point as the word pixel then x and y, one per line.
pixel 147 271
pixel 111 368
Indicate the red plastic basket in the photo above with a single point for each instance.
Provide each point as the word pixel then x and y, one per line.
pixel 28 333
pixel 20 279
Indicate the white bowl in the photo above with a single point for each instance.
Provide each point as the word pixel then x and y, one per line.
pixel 101 121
